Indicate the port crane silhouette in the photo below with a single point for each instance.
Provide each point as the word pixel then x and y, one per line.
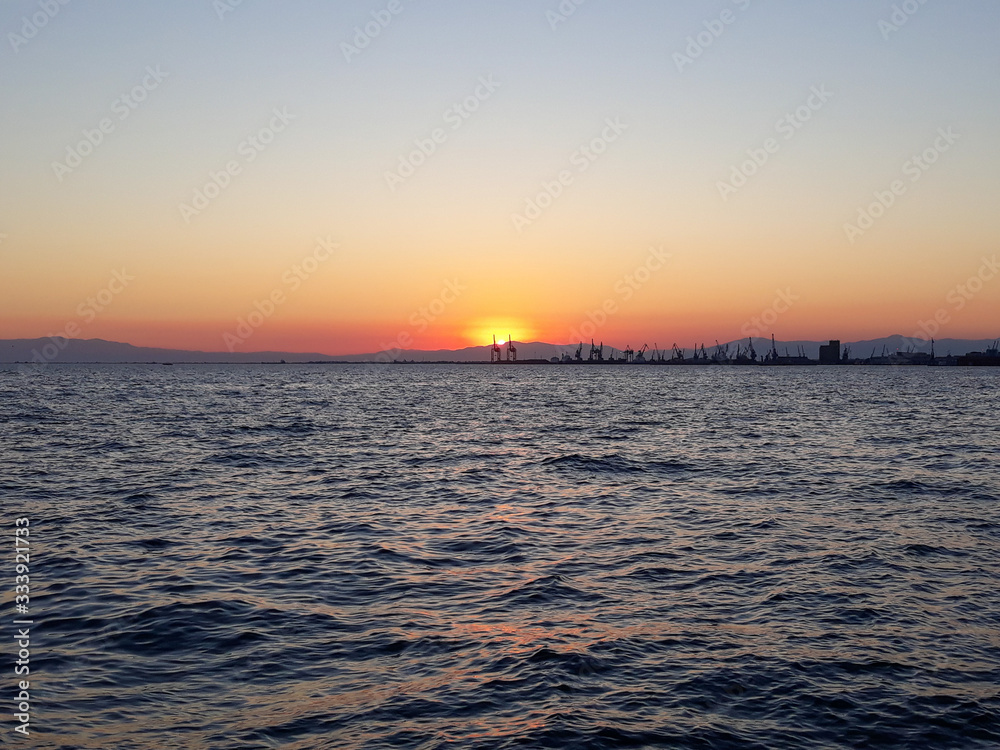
pixel 596 355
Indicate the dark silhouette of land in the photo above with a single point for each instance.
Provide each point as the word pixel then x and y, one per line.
pixel 893 350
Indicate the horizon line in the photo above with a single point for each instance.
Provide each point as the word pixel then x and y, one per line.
pixel 913 341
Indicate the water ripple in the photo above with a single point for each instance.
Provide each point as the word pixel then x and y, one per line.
pixel 545 557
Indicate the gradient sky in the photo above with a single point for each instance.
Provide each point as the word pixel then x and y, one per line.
pixel 436 259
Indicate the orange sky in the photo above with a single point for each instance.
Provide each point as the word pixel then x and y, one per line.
pixel 431 193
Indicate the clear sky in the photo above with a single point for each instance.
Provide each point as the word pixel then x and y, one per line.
pixel 830 168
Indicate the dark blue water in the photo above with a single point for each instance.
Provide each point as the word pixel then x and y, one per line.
pixel 525 557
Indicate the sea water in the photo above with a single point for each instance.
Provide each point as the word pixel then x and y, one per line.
pixel 445 556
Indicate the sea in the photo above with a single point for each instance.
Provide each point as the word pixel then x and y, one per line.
pixel 513 556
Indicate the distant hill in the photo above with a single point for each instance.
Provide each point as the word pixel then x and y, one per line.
pixel 63 350
pixel 101 351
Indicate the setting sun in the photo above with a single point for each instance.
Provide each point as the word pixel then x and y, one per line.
pixel 482 332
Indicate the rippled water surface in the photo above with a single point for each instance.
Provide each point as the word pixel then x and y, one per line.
pixel 507 557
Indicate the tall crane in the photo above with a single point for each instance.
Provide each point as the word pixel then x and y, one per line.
pixel 721 352
pixel 511 350
pixel 495 355
pixel 596 355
